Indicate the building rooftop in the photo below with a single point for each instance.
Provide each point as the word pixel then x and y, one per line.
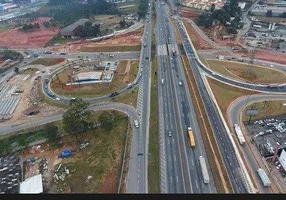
pixel 33 185
pixel 88 76
pixel 72 26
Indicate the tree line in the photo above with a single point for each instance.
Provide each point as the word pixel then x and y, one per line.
pixel 143 7
pixel 223 16
pixel 30 27
pixel 77 121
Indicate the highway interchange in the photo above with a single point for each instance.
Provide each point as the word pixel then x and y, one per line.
pixel 180 171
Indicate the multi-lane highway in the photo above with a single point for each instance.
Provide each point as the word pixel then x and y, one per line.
pixel 226 147
pixel 180 171
pixel 138 172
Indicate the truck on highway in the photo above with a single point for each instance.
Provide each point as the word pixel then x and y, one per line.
pixel 191 137
pixel 265 180
pixel 162 81
pixel 205 173
pixel 239 134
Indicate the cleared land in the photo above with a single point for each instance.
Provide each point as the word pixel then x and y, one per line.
pixel 198 42
pixel 47 61
pixel 246 72
pixel 266 109
pixel 16 39
pixel 111 48
pixel 95 90
pixel 30 70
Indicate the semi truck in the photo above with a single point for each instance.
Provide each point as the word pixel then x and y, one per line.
pixel 265 180
pixel 191 137
pixel 239 134
pixel 205 173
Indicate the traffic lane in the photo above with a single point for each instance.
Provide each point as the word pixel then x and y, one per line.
pixel 186 113
pixel 225 145
pixel 212 112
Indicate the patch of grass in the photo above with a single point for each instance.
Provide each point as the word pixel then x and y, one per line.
pixel 265 109
pixel 225 94
pixel 271 19
pixel 47 61
pixel 94 90
pixel 101 159
pixel 111 48
pixel 154 160
pixel 249 73
pixel 30 70
pixel 129 98
pixel 6 27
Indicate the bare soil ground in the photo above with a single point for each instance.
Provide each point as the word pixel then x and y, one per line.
pixel 47 61
pixel 198 41
pixel 129 39
pixel 16 39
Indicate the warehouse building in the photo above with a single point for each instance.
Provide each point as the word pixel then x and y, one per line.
pixel 68 32
pixel 88 76
pixel 32 185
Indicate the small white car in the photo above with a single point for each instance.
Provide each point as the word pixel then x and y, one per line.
pixel 271 66
pixel 58 99
pixel 180 83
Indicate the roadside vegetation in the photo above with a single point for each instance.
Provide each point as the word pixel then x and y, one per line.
pixel 154 144
pixel 246 72
pixel 226 94
pixel 265 109
pixel 118 48
pixel 101 161
pixel 47 61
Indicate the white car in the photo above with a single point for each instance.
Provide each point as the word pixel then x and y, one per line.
pixel 58 99
pixel 271 66
pixel 170 135
pixel 180 83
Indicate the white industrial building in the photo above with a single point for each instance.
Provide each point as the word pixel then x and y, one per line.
pixel 88 76
pixel 33 185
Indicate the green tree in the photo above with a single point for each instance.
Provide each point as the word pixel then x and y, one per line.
pixel 122 23
pixel 16 69
pixel 5 147
pixel 77 118
pixel 107 120
pixel 269 13
pixel 52 132
pixel 22 142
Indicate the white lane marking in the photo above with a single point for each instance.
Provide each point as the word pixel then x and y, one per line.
pixel 177 179
pixel 171 179
pixel 197 185
pixel 173 141
pixel 192 162
pixel 169 158
pixel 175 158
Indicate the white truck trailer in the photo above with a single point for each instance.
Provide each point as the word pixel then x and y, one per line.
pixel 204 169
pixel 239 134
pixel 265 180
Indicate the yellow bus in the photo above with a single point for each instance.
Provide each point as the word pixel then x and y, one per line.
pixel 191 137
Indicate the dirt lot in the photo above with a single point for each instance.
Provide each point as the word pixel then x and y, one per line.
pixel 128 39
pixel 189 14
pixel 93 169
pixel 198 41
pixel 17 39
pixel 126 73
